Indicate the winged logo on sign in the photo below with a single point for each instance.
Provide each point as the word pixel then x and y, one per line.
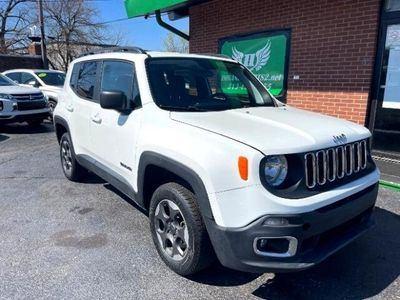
pixel 253 61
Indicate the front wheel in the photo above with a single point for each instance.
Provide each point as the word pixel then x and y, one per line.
pixel 52 105
pixel 178 230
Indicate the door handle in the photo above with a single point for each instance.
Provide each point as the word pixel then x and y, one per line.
pixel 69 107
pixel 96 118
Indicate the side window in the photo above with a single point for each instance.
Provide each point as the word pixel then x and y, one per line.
pixel 120 76
pixel 15 76
pixel 27 77
pixel 87 80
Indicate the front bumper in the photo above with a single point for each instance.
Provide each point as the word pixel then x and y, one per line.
pixel 22 116
pixel 318 234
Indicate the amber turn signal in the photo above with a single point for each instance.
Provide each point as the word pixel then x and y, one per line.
pixel 243 165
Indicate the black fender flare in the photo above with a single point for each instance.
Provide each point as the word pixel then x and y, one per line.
pixel 53 99
pixel 152 158
pixel 57 120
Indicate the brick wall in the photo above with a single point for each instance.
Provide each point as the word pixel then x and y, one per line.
pixel 8 62
pixel 332 46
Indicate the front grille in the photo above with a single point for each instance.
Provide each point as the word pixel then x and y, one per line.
pixel 28 105
pixel 330 165
pixel 27 97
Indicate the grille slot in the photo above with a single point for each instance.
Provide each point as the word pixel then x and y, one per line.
pixel 349 159
pixel 335 163
pixel 310 168
pixel 321 167
pixel 27 97
pixel 331 163
pixel 28 105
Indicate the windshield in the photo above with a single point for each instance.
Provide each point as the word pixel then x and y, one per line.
pixel 52 78
pixel 200 84
pixel 5 81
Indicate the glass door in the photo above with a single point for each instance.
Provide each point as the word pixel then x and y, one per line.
pixel 386 130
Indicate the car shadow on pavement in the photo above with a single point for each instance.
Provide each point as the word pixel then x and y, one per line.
pixel 218 275
pixel 3 137
pixel 362 269
pixel 26 129
pixel 126 198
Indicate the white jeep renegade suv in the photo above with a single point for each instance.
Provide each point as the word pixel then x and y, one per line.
pixel 222 167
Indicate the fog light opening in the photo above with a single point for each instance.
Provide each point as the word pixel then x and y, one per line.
pixel 276 222
pixel 276 246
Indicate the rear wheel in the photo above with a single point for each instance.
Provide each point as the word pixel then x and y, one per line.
pixel 178 230
pixel 71 168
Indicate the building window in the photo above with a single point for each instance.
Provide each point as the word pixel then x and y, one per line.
pixel 266 54
pixel 392 5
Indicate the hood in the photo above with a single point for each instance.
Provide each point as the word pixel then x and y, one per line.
pixel 51 91
pixel 18 90
pixel 51 88
pixel 275 130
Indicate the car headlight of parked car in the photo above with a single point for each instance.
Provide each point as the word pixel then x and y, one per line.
pixel 5 96
pixel 275 169
pixel 1 105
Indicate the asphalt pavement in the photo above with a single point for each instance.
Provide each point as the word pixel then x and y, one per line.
pixel 65 240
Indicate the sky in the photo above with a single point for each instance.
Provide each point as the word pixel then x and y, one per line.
pixel 139 32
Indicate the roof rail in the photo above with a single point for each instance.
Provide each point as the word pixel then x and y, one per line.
pixel 215 55
pixel 115 49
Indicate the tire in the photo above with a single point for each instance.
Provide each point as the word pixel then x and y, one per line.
pixel 179 232
pixel 35 123
pixel 52 106
pixel 71 168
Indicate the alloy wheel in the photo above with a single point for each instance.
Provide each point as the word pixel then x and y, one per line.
pixel 171 229
pixel 66 156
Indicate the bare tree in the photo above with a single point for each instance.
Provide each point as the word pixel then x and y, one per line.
pixel 174 43
pixel 72 29
pixel 15 16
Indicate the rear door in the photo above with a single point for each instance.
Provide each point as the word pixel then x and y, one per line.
pixel 83 102
pixel 114 134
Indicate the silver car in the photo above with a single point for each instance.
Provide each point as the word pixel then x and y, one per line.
pixel 21 104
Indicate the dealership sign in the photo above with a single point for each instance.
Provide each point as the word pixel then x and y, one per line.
pixel 265 54
pixel 136 8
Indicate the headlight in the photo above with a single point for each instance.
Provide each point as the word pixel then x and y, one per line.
pixel 1 105
pixel 5 96
pixel 275 169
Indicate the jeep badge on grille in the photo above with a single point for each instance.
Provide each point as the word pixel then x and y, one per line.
pixel 340 139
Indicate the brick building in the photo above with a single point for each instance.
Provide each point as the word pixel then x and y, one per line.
pixel 337 57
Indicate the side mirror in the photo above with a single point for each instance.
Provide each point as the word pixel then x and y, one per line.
pixel 33 83
pixel 114 100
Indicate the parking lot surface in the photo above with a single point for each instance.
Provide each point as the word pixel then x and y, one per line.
pixel 65 240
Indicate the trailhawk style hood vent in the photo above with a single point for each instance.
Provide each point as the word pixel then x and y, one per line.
pixel 275 130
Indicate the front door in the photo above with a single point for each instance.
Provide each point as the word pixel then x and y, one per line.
pixel 114 134
pixel 386 108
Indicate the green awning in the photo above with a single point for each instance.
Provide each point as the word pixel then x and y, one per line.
pixel 135 8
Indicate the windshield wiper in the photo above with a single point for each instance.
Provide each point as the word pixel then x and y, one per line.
pixel 182 108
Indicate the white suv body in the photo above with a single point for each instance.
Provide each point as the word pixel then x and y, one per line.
pixel 20 104
pixel 229 158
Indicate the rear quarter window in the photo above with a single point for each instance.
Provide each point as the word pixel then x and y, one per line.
pixel 84 79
